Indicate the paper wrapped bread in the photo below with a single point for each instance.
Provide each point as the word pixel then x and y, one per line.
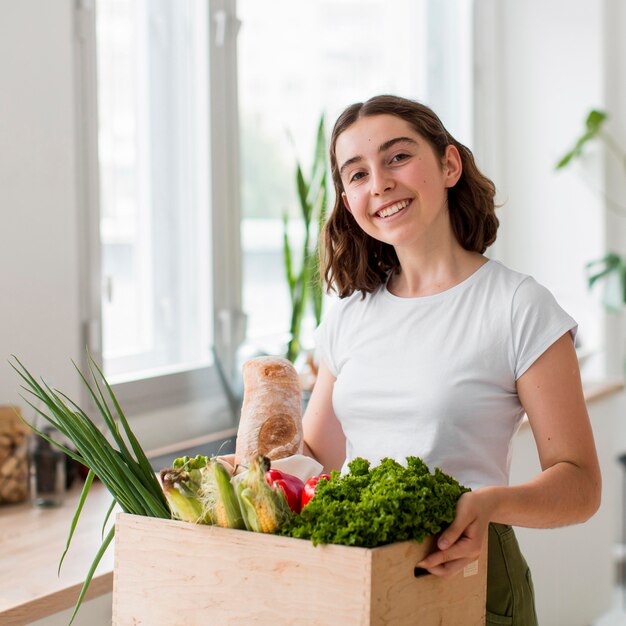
pixel 271 414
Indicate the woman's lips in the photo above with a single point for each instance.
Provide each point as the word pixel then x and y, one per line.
pixel 392 209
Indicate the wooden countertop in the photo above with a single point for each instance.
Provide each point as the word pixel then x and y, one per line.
pixel 32 540
pixel 31 543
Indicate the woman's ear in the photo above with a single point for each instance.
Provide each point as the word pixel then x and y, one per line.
pixel 452 166
pixel 345 201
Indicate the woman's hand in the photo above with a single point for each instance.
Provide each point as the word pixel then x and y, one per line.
pixel 461 543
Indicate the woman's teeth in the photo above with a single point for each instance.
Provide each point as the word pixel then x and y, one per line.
pixel 393 209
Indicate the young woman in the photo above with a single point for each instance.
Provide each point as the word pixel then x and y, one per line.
pixel 436 351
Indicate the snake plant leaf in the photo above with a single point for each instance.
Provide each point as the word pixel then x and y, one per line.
pixel 303 193
pixel 318 169
pixel 288 257
pixel 302 283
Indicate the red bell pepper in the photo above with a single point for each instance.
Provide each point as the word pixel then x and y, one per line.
pixel 290 485
pixel 310 486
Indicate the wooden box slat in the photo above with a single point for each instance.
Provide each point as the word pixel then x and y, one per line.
pixel 173 573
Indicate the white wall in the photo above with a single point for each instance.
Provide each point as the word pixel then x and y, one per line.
pixel 537 86
pixel 39 299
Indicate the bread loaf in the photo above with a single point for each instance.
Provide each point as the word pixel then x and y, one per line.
pixel 271 414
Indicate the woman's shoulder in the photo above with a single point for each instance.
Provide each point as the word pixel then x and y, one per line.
pixel 515 284
pixel 503 274
pixel 339 309
pixel 522 292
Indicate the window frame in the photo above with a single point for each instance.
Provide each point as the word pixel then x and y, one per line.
pixel 214 381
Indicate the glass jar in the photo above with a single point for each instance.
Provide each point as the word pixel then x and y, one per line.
pixel 47 472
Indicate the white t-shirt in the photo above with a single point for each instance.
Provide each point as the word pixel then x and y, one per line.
pixel 434 376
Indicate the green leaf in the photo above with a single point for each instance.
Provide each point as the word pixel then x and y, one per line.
pixel 318 170
pixel 288 257
pixel 595 120
pixel 593 125
pixel 303 193
pixel 312 200
pixel 140 455
pixel 611 270
pixel 108 515
pixel 91 572
pixel 79 508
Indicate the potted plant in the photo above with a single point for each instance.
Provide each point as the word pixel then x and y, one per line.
pixel 302 270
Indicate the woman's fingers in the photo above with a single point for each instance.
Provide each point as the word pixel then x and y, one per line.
pixel 454 558
pixel 450 568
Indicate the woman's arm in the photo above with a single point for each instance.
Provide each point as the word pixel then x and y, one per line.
pixel 323 437
pixel 567 491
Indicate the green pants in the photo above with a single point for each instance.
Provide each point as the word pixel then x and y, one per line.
pixel 510 596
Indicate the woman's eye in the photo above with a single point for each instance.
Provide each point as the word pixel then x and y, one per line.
pixel 356 176
pixel 399 157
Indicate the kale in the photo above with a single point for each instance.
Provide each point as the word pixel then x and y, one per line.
pixel 372 507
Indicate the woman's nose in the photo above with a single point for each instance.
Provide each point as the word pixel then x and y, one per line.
pixel 381 182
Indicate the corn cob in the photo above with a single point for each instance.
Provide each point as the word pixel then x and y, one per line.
pixel 219 497
pixel 182 486
pixel 264 510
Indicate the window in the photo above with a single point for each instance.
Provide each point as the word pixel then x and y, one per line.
pixel 153 153
pixel 161 269
pixel 299 60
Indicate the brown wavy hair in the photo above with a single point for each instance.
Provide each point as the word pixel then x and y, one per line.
pixel 351 260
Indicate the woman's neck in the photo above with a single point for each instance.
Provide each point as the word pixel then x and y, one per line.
pixel 430 273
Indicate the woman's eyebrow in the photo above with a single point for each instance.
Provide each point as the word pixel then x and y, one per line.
pixel 383 146
pixel 392 142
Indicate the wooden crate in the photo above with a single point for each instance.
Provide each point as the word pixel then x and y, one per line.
pixel 170 573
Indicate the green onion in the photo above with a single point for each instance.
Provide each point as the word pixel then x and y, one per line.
pixel 123 468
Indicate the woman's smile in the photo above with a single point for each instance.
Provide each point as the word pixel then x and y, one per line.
pixel 392 209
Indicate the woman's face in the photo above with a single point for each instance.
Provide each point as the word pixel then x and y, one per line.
pixel 394 184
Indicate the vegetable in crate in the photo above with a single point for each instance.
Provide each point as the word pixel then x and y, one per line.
pixel 264 509
pixel 181 486
pixel 310 487
pixel 372 507
pixel 291 486
pixel 199 491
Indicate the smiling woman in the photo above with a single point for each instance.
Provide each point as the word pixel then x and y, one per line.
pixel 436 351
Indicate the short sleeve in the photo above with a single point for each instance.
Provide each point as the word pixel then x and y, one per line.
pixel 537 321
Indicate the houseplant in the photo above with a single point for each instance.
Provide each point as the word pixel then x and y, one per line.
pixel 303 281
pixel 611 268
